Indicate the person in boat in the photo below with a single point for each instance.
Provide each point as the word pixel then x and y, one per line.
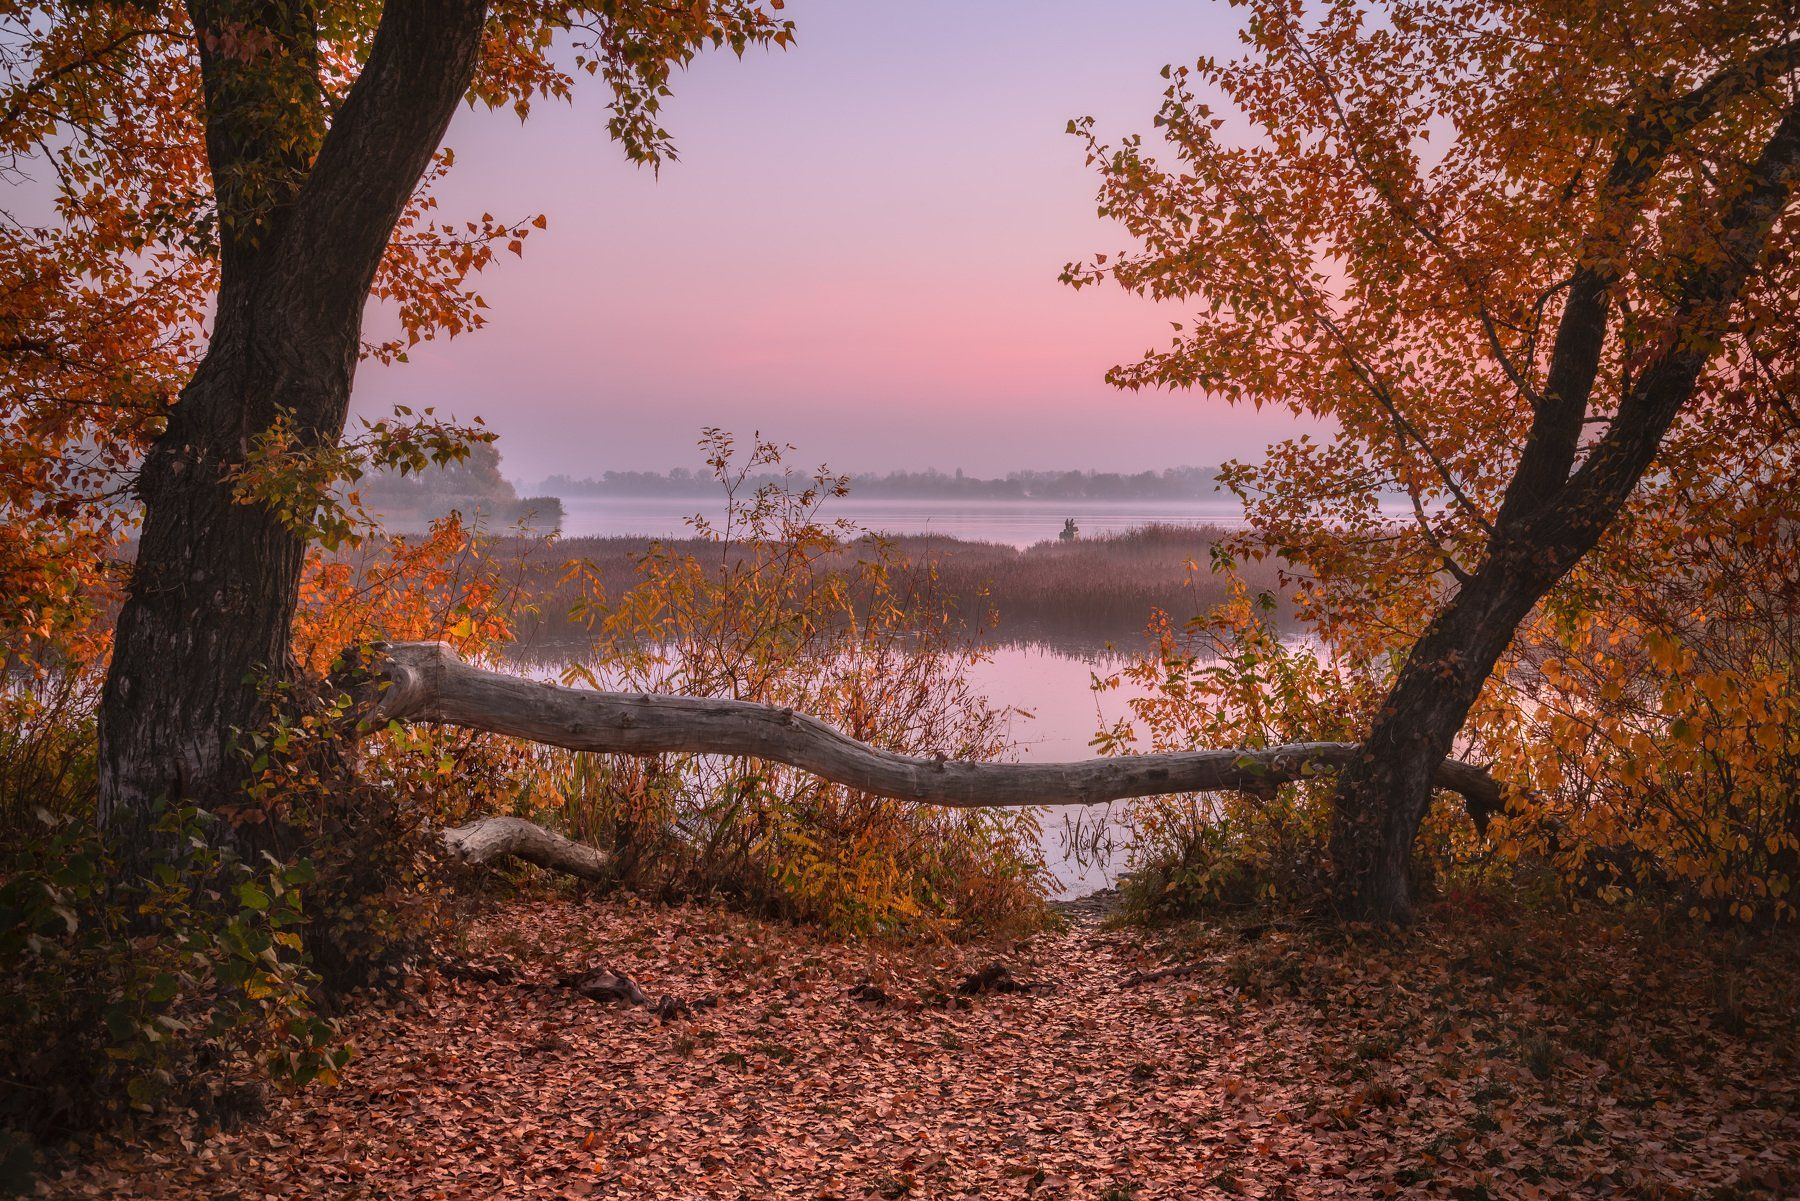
pixel 1070 531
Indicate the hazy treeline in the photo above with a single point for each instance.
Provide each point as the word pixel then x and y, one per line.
pixel 1174 483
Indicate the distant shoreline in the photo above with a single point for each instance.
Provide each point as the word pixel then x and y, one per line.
pixel 1170 484
pixel 1016 522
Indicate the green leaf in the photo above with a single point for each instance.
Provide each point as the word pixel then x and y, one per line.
pixel 163 988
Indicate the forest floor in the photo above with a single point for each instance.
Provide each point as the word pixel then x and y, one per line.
pixel 1476 1057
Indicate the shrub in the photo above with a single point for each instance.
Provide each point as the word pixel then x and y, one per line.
pixel 1660 738
pixel 367 813
pixel 375 892
pixel 127 989
pixel 1230 679
pixel 46 738
pixel 873 650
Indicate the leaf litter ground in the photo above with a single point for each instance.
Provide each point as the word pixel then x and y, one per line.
pixel 1476 1057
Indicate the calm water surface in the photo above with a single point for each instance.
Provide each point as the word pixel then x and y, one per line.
pixel 1053 714
pixel 1016 522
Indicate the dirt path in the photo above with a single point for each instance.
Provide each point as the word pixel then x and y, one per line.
pixel 1452 1065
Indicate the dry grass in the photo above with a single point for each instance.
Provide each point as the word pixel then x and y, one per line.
pixel 1088 592
pixel 1078 595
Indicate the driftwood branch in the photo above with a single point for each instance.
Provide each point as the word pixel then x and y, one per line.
pixel 489 838
pixel 426 681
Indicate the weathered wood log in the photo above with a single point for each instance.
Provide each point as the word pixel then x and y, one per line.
pixel 489 838
pixel 426 681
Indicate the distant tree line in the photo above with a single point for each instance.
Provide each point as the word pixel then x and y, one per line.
pixel 1174 483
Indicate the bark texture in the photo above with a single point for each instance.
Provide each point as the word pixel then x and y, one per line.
pixel 306 210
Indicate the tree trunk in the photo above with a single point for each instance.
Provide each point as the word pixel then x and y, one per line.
pixel 207 624
pixel 1383 794
pixel 1551 516
pixel 305 216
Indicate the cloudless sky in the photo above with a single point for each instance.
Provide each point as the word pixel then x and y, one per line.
pixel 857 253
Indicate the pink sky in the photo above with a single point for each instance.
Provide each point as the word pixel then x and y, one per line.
pixel 857 253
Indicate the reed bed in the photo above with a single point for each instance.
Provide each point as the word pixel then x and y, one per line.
pixel 1085 594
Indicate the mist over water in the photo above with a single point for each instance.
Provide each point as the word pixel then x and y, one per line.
pixel 1018 523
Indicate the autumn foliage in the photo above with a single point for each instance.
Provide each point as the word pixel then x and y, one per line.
pixel 1530 265
pixel 1533 266
pixel 769 605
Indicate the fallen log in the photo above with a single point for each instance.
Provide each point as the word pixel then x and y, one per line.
pixel 428 682
pixel 489 838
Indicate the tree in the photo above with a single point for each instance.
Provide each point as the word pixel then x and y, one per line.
pixel 1512 252
pixel 233 181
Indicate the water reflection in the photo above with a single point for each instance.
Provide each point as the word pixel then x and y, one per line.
pixel 1054 714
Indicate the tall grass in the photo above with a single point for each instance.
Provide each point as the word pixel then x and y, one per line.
pixel 1086 592
pixel 1080 595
